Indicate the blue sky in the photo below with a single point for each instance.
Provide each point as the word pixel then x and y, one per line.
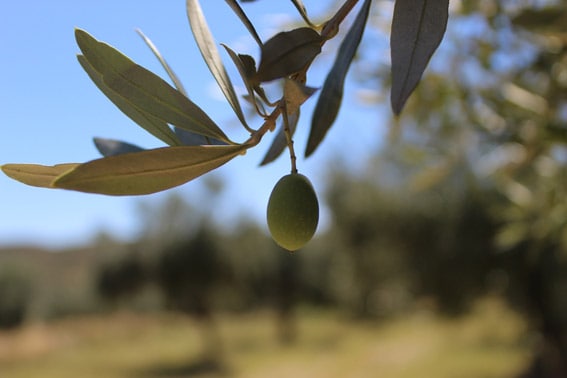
pixel 50 111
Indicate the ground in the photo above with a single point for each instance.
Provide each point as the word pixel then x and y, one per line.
pixel 490 342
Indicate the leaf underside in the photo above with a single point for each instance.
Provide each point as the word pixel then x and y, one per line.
pixel 37 175
pixel 146 172
pixel 172 75
pixel 186 138
pixel 143 90
pixel 418 27
pixel 331 96
pixel 287 53
pixel 148 122
pixel 136 173
pixel 209 51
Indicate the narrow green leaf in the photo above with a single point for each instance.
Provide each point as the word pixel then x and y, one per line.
pixel 418 27
pixel 244 69
pixel 287 53
pixel 187 138
pixel 207 46
pixel 148 171
pixel 331 96
pixel 36 175
pixel 174 78
pixel 247 69
pixel 144 90
pixel 111 147
pixel 302 11
pixel 249 65
pixel 280 140
pixel 148 122
pixel 245 20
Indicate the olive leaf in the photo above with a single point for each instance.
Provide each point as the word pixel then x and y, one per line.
pixel 186 138
pixel 418 27
pixel 240 13
pixel 174 78
pixel 207 46
pixel 144 90
pixel 155 126
pixel 111 147
pixel 246 67
pixel 280 140
pixel 287 53
pixel 147 171
pixel 331 96
pixel 302 10
pixel 37 175
pixel 295 94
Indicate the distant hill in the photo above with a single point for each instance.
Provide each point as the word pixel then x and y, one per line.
pixel 62 280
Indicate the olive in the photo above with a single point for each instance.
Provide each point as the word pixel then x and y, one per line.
pixel 293 211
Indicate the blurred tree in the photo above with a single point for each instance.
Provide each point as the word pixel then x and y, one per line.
pixel 188 272
pixel 390 246
pixel 16 292
pixel 488 124
pixel 368 272
pixel 122 277
pixel 263 275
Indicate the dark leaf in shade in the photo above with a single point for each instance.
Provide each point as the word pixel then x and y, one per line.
pixel 287 53
pixel 331 96
pixel 418 27
pixel 111 147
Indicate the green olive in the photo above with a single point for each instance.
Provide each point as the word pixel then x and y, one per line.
pixel 293 211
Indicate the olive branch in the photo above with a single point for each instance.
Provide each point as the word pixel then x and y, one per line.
pixel 195 144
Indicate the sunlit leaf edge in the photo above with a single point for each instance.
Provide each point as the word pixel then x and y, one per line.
pixel 209 51
pixel 147 171
pixel 36 175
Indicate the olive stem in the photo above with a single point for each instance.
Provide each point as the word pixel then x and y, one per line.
pixel 330 30
pixel 289 139
pixel 269 124
pixel 331 27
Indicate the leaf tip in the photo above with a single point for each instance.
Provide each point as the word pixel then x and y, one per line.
pixel 79 32
pixel 397 106
pixel 310 147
